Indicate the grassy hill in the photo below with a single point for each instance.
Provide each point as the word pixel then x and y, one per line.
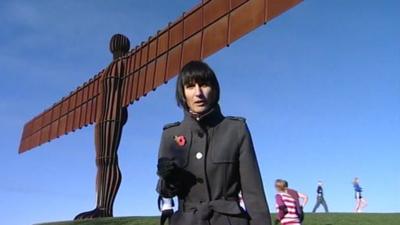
pixel 310 219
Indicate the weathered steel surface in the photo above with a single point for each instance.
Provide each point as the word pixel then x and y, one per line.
pixel 71 113
pixel 197 34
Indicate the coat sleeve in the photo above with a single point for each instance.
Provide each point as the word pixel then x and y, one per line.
pixel 251 182
pixel 165 189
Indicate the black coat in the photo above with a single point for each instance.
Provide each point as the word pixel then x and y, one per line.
pixel 217 161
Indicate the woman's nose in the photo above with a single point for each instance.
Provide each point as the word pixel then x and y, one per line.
pixel 198 91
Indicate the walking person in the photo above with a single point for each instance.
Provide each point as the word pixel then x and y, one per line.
pixel 361 202
pixel 320 198
pixel 208 159
pixel 288 207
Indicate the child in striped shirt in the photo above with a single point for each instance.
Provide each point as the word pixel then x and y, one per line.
pixel 287 206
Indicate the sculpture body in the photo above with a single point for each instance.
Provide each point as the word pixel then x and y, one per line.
pixel 108 131
pixel 197 34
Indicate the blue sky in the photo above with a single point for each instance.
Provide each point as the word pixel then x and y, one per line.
pixel 319 86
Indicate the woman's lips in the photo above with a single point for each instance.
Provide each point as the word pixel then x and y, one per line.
pixel 200 103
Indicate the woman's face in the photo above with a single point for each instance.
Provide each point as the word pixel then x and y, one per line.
pixel 199 97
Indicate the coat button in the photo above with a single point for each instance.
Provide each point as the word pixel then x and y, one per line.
pixel 199 155
pixel 199 180
pixel 200 134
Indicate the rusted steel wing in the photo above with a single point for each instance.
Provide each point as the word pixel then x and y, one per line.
pixel 70 113
pixel 197 34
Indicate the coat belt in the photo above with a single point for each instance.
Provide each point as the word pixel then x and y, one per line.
pixel 205 210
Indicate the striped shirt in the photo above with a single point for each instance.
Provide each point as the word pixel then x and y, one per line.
pixel 284 200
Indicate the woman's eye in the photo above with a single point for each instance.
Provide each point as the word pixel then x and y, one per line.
pixel 189 86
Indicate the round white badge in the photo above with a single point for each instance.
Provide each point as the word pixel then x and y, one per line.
pixel 199 155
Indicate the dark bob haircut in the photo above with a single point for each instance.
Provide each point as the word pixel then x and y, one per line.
pixel 195 72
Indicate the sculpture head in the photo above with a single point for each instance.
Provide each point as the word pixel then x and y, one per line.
pixel 119 45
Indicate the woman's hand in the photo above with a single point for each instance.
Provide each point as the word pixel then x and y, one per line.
pixel 174 180
pixel 166 168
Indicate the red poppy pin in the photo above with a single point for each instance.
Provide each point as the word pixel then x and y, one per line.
pixel 180 140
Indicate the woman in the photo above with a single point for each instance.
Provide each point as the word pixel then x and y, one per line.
pixel 289 211
pixel 361 202
pixel 207 159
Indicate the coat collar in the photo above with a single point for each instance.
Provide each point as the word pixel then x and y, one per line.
pixel 209 119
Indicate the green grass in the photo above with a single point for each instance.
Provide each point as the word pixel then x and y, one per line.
pixel 310 219
pixel 352 219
